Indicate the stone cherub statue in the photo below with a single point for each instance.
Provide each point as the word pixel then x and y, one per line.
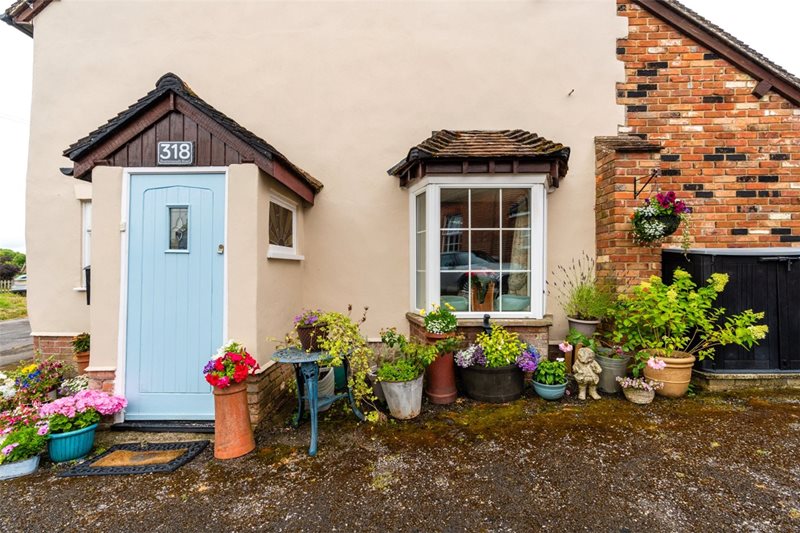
pixel 587 373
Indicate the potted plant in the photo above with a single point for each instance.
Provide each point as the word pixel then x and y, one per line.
pixel 492 368
pixel 612 359
pixel 310 329
pixel 440 328
pixel 639 390
pixel 676 324
pixel 401 379
pixel 658 219
pixel 585 300
pixel 23 436
pixel 343 339
pixel 39 382
pixel 73 420
pixel 80 347
pixel 550 379
pixel 227 374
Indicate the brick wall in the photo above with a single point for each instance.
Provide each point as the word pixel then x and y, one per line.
pixel 57 347
pixel 267 391
pixel 734 157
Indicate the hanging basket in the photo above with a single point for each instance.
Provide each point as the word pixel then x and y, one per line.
pixel 652 229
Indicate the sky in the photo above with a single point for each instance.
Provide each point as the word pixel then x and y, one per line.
pixel 769 26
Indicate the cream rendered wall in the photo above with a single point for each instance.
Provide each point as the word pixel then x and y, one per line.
pixel 106 247
pixel 343 88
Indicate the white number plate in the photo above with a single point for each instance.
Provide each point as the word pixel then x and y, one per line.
pixel 176 153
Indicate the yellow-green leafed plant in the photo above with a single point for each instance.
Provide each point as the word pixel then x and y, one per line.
pixel 501 347
pixel 681 317
pixel 342 338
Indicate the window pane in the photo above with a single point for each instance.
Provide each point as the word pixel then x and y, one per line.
pixel 454 206
pixel 485 208
pixel 516 208
pixel 455 290
pixel 421 251
pixel 516 249
pixel 281 232
pixel 420 296
pixel 515 292
pixel 178 228
pixel 421 220
pixel 484 287
pixel 485 249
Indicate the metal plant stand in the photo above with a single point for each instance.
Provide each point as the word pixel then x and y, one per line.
pixel 306 371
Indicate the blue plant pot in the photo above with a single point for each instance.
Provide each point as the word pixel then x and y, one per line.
pixel 71 445
pixel 19 468
pixel 550 392
pixel 340 377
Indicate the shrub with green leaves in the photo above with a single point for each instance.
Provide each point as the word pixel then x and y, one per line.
pixel 551 372
pixel 501 347
pixel 579 292
pixel 81 343
pixel 681 317
pixel 400 370
pixel 23 443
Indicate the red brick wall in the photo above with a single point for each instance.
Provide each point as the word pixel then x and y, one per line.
pixel 267 391
pixel 733 157
pixel 57 347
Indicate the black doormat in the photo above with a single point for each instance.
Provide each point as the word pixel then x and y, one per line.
pixel 166 426
pixel 139 458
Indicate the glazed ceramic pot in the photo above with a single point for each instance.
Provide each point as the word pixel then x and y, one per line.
pixel 233 434
pixel 493 385
pixel 584 327
pixel 440 376
pixel 404 398
pixel 613 368
pixel 550 392
pixel 19 468
pixel 71 445
pixel 675 377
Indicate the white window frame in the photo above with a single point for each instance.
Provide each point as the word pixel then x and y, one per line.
pixel 432 186
pixel 86 239
pixel 283 252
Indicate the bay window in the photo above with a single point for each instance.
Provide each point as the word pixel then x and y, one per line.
pixel 478 244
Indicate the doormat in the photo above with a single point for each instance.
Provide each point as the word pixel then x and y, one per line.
pixel 139 458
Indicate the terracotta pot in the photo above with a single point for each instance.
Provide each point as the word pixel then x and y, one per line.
pixel 310 337
pixel 440 376
pixel 676 376
pixel 82 361
pixel 233 434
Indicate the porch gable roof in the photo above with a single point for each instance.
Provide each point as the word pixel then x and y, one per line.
pixel 172 95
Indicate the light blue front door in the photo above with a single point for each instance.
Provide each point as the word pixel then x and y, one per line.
pixel 175 293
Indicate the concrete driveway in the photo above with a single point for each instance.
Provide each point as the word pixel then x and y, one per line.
pixel 15 341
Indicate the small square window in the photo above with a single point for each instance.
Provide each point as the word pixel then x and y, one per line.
pixel 282 229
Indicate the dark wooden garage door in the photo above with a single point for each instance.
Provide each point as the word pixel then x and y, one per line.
pixel 769 283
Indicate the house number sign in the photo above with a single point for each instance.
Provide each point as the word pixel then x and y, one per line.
pixel 176 153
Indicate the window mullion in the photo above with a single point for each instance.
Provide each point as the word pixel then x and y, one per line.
pixel 433 235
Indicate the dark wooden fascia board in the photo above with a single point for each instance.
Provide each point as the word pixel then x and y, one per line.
pixel 713 42
pixel 30 10
pixel 119 138
pixel 289 178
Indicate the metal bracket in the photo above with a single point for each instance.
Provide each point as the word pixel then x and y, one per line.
pixel 654 174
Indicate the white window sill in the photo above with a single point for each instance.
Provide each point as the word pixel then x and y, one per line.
pixel 284 255
pixel 79 289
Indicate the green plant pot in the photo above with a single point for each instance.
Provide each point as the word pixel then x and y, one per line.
pixel 71 445
pixel 340 377
pixel 550 392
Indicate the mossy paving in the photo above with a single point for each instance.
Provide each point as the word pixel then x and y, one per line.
pixel 712 462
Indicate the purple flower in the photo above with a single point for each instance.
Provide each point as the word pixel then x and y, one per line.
pixel 528 360
pixel 209 367
pixel 479 358
pixel 10 448
pixel 43 429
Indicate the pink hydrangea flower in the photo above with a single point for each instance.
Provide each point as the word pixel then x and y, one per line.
pixel 565 347
pixel 656 364
pixel 85 400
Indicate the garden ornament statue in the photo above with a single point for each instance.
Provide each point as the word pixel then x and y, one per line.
pixel 587 373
